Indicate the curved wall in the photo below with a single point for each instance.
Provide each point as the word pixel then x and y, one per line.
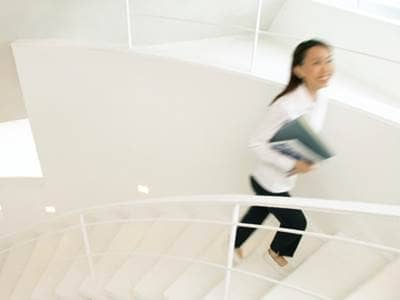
pixel 106 120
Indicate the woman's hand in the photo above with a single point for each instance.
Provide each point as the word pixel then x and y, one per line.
pixel 302 167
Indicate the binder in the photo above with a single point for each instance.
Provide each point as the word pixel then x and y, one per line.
pixel 298 140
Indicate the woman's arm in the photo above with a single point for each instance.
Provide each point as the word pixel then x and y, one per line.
pixel 301 166
pixel 274 119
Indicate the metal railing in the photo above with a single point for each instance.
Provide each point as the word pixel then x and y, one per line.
pixel 386 112
pixel 237 202
pixel 256 30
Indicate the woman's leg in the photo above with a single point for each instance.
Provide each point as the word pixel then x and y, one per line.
pixel 255 214
pixel 285 244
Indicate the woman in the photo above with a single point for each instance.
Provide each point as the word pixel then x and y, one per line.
pixel 276 173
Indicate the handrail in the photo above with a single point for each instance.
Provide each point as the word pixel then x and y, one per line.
pixel 215 222
pixel 90 255
pixel 87 247
pixel 210 221
pixel 256 36
pixel 312 204
pixel 263 32
pixel 296 202
pixel 231 253
pixel 267 227
pixel 128 22
pixel 270 33
pixel 236 201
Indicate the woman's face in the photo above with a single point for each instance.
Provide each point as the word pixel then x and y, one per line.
pixel 317 67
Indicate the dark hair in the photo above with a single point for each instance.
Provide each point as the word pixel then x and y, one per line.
pixel 298 59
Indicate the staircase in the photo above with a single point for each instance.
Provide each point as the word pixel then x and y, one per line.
pixel 159 259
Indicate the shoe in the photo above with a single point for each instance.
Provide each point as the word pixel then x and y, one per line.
pixel 280 260
pixel 237 257
pixel 282 271
pixel 239 253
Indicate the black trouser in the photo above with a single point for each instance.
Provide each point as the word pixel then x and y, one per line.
pixel 284 244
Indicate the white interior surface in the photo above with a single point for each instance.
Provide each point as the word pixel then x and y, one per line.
pixel 18 155
pixel 106 120
pixel 162 22
pixel 109 109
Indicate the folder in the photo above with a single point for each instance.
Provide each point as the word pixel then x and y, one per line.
pixel 298 140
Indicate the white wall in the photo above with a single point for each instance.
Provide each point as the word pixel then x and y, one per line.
pixel 104 21
pixel 105 121
pixel 365 167
pixel 351 31
pixel 11 103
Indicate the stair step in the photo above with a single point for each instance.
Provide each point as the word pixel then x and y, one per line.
pixel 99 238
pixel 198 278
pixel 160 236
pixel 13 267
pixel 189 244
pixel 3 258
pixel 384 285
pixel 323 273
pixel 253 250
pixel 42 253
pixel 248 287
pixel 68 248
pixel 118 252
pixel 243 286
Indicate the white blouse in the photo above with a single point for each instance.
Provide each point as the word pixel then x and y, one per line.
pixel 273 167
